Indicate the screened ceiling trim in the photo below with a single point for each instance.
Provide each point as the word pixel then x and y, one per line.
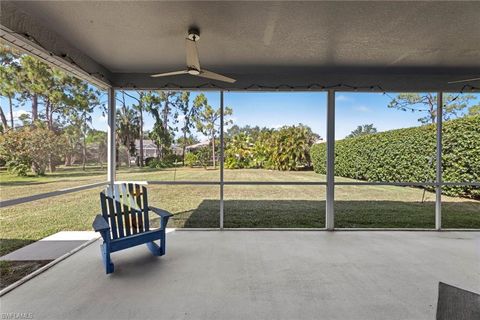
pixel 26 33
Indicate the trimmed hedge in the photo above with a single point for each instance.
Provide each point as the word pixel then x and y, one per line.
pixel 408 155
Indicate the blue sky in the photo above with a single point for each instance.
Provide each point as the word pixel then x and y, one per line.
pixel 275 109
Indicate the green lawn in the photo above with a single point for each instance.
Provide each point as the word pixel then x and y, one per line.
pixel 245 206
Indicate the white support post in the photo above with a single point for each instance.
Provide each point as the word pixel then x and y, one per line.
pixel 111 158
pixel 330 214
pixel 221 159
pixel 438 180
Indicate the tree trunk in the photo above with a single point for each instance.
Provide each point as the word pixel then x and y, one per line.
pixel 12 125
pixel 117 155
pixel 34 108
pixel 184 147
pixel 213 150
pixel 84 153
pixel 432 108
pixel 48 111
pixel 100 156
pixel 127 145
pixel 165 115
pixel 47 114
pixel 51 165
pixel 128 158
pixel 4 120
pixel 165 122
pixel 141 137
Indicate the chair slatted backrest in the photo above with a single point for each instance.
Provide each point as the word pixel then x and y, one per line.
pixel 125 207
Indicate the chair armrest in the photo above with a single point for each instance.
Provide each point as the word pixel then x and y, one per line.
pixel 100 224
pixel 160 212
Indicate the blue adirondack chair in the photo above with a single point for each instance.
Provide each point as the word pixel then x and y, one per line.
pixel 124 221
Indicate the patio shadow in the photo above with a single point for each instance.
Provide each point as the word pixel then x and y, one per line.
pixel 311 214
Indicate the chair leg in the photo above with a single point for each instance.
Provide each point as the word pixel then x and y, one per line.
pixel 107 261
pixel 157 250
pixel 154 248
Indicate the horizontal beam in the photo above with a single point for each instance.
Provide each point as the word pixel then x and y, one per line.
pixel 40 196
pixel 310 183
pixel 36 197
pixel 314 79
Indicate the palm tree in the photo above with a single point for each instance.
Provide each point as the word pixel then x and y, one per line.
pixel 128 124
pixel 363 130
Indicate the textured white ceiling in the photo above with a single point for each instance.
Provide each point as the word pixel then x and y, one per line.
pixel 139 36
pixel 259 38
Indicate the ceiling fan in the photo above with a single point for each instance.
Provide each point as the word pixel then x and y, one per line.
pixel 193 63
pixel 465 80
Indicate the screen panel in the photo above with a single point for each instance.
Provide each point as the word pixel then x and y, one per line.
pixel 261 206
pixel 384 207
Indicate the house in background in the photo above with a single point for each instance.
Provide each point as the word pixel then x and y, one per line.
pixel 150 150
pixel 197 146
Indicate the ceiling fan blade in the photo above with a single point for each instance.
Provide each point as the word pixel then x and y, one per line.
pixel 215 76
pixel 466 80
pixel 192 54
pixel 166 74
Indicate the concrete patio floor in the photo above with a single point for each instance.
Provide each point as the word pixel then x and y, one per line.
pixel 259 275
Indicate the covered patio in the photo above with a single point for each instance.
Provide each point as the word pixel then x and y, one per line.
pixel 217 273
pixel 259 275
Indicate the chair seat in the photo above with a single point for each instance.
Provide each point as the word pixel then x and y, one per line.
pixel 135 239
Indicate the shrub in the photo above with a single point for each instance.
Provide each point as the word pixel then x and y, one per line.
pixel 204 156
pixel 148 160
pixel 290 148
pixel 191 159
pixel 30 148
pixel 239 153
pixel 173 158
pixel 409 155
pixel 287 148
pixel 200 157
pixel 160 163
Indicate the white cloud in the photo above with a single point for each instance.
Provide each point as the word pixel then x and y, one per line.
pixel 343 98
pixel 16 114
pixel 361 108
pixel 102 117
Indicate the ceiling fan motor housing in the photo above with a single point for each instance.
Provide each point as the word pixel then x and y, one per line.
pixel 194 34
pixel 193 71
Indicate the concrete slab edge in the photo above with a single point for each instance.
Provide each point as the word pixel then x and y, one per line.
pixel 45 267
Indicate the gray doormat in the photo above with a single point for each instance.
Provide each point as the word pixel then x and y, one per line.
pixel 457 304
